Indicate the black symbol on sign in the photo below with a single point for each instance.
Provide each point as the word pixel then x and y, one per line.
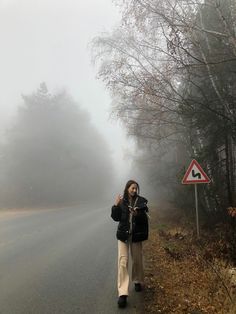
pixel 198 174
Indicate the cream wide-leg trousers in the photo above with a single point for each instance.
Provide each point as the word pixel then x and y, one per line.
pixel 123 263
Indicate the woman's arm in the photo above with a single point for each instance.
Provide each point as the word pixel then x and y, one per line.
pixel 116 212
pixel 141 211
pixel 116 209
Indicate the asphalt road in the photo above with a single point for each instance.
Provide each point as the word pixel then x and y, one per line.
pixel 60 261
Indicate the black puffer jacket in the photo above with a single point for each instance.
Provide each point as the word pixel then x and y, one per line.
pixel 139 222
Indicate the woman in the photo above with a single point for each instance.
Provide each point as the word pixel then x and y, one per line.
pixel 130 210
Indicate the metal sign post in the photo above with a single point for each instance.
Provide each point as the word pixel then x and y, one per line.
pixel 196 207
pixel 195 175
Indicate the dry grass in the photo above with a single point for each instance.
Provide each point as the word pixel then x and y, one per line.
pixel 180 278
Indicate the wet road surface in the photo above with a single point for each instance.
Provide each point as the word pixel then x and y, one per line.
pixel 60 261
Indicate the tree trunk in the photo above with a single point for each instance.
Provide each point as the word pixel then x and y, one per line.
pixel 228 170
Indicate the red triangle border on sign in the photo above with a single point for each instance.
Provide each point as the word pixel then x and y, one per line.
pixel 205 180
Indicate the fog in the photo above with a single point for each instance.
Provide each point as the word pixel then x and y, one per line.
pixel 48 41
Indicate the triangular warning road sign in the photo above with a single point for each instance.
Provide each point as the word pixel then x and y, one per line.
pixel 195 174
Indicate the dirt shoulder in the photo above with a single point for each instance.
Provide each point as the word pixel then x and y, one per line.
pixel 180 278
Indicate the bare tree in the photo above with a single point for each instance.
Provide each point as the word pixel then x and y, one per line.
pixel 170 69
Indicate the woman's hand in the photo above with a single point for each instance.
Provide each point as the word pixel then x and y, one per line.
pixel 118 200
pixel 133 210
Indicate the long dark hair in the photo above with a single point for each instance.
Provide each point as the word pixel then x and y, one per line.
pixel 128 184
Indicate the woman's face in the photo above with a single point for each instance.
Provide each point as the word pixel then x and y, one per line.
pixel 132 190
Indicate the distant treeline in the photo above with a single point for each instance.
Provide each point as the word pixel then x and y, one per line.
pixel 52 154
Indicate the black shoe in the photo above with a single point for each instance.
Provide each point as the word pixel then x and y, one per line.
pixel 138 287
pixel 122 301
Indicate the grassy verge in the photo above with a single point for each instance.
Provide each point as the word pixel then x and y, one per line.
pixel 181 276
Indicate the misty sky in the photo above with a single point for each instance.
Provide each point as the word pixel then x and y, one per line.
pixel 47 40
